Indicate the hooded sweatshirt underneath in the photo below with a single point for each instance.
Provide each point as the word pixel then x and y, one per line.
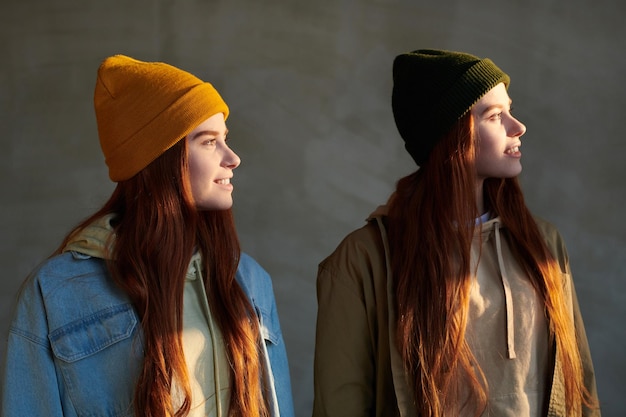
pixel 507 329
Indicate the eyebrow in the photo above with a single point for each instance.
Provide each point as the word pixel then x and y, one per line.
pixel 208 132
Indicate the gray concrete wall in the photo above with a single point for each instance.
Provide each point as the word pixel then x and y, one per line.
pixel 309 84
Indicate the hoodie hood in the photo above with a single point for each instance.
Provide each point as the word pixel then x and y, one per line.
pixel 95 240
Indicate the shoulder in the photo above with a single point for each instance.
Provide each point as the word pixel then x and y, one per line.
pixel 554 241
pixel 61 276
pixel 72 275
pixel 251 274
pixel 546 228
pixel 549 232
pixel 255 281
pixel 66 261
pixel 65 288
pixel 62 271
pixel 363 246
pixel 249 265
pixel 358 265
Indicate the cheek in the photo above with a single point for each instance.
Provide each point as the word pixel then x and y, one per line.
pixel 487 145
pixel 195 174
pixel 488 155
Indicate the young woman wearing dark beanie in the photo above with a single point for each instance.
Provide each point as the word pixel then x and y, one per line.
pixel 453 299
pixel 148 307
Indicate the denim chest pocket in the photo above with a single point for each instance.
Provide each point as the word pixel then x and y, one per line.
pixel 98 359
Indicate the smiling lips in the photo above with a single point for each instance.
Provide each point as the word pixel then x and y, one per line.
pixel 512 151
pixel 223 181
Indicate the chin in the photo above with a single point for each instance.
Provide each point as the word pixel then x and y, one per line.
pixel 215 206
pixel 512 172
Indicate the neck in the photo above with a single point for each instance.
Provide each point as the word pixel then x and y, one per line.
pixel 480 200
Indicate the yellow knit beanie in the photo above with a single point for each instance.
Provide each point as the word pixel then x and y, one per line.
pixel 144 108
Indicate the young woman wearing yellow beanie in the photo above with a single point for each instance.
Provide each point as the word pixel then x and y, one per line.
pixel 453 300
pixel 148 307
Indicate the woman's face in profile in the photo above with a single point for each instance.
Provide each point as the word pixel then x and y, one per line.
pixel 498 136
pixel 211 164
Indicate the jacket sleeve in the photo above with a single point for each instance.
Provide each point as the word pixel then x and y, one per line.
pixel 257 284
pixel 585 355
pixel 29 386
pixel 559 250
pixel 277 355
pixel 344 370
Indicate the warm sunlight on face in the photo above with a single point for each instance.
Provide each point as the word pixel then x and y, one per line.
pixel 498 136
pixel 211 164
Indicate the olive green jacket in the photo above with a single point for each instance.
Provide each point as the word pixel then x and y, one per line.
pixel 358 370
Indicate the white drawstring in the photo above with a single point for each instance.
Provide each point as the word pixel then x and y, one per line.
pixel 269 377
pixel 508 299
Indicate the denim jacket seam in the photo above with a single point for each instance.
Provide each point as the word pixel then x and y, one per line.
pixel 92 318
pixel 31 337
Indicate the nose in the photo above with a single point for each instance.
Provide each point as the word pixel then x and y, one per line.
pixel 516 128
pixel 231 159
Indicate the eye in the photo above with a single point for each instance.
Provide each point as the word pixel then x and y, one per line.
pixel 496 116
pixel 209 142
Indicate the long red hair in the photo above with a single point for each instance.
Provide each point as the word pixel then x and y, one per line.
pixel 431 266
pixel 157 229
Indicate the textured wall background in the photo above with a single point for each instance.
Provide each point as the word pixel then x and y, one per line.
pixel 309 86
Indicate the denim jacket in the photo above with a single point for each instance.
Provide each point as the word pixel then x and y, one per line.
pixel 75 348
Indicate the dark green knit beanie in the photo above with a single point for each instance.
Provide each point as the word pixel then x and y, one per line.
pixel 432 89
